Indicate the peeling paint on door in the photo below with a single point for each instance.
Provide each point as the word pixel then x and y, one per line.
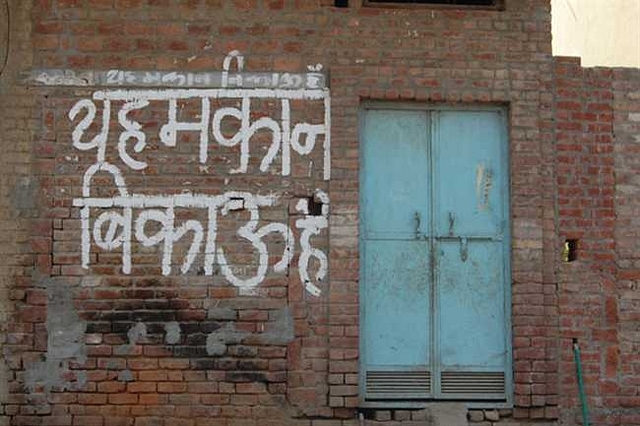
pixel 484 181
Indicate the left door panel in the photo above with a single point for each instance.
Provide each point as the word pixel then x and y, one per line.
pixel 395 241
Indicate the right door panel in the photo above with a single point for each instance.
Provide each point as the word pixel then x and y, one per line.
pixel 471 235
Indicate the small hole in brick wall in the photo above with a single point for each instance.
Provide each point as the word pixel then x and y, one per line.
pixel 342 3
pixel 570 250
pixel 315 207
pixel 237 203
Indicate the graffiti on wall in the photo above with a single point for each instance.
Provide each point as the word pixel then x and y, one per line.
pixel 116 225
pixel 313 79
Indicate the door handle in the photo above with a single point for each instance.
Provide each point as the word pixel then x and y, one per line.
pixel 452 222
pixel 418 222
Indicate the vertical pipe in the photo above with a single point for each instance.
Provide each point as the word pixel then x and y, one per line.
pixel 583 396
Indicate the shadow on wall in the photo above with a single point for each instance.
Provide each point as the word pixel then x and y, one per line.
pixel 5 36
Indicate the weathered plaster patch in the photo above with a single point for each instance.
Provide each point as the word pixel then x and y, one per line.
pixel 65 342
pixel 218 340
pixel 24 197
pixel 136 332
pixel 53 373
pixel 125 376
pixel 221 313
pixel 172 330
pixel 280 331
pixel 66 330
pixel 91 281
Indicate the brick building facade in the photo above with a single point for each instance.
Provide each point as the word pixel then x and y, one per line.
pixel 181 193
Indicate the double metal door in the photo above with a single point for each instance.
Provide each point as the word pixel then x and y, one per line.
pixel 434 247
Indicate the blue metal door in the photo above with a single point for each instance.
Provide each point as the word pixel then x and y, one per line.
pixel 396 276
pixel 434 255
pixel 471 242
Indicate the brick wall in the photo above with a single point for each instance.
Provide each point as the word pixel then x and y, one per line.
pixel 585 176
pixel 595 136
pixel 626 128
pixel 99 347
pixel 18 195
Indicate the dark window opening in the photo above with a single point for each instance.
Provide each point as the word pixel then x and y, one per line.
pixel 450 2
pixel 342 3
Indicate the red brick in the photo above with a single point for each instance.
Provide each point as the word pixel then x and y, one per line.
pixel 172 387
pixel 123 398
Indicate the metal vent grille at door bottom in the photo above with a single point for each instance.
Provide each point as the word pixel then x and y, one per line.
pixel 398 384
pixel 476 384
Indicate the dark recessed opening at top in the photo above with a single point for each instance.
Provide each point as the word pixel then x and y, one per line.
pixel 452 2
pixel 342 3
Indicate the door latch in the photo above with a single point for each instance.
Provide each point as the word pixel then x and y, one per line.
pixel 464 249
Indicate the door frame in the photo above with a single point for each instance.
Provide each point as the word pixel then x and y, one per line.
pixel 429 107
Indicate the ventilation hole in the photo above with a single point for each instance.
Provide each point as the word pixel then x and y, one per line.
pixel 570 250
pixel 315 207
pixel 342 3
